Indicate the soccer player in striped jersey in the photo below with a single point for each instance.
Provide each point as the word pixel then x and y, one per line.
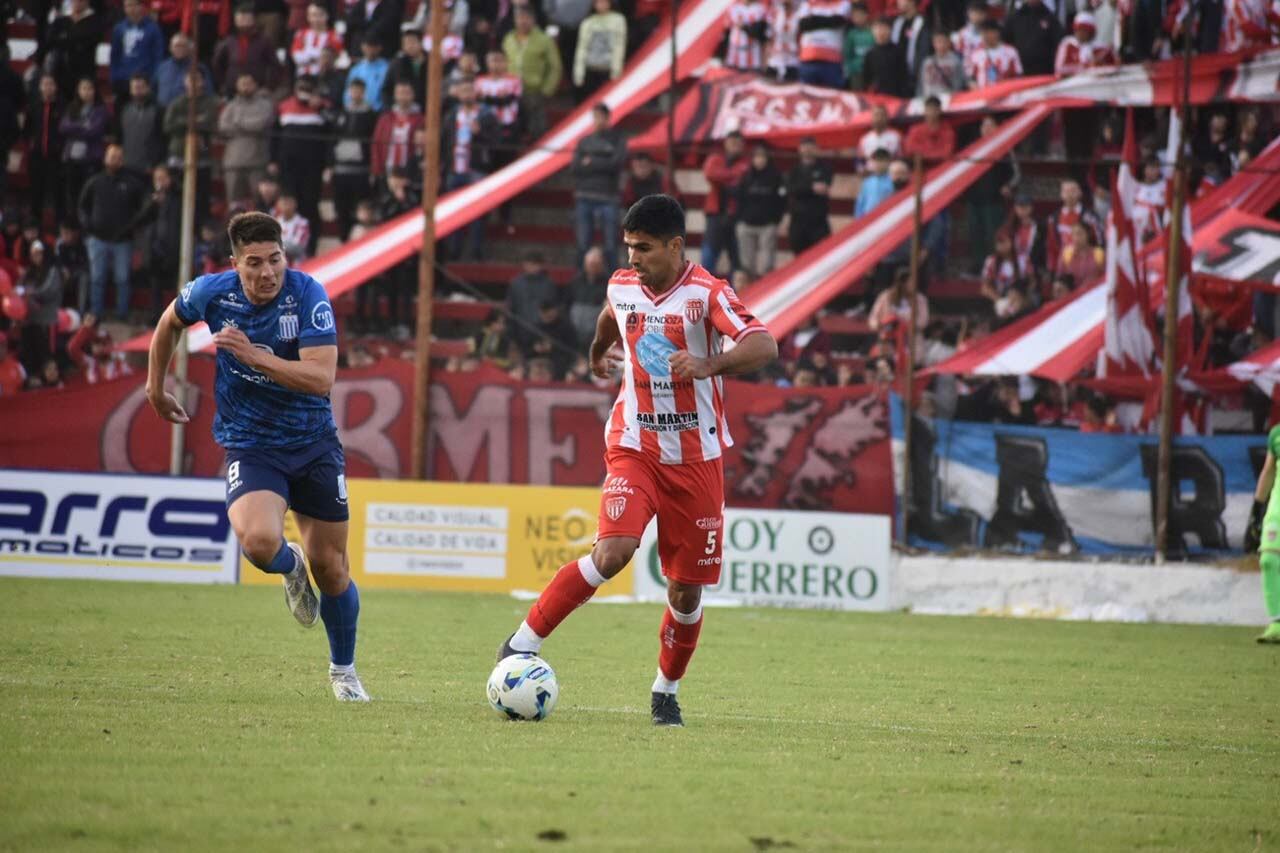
pixel 665 438
pixel 277 356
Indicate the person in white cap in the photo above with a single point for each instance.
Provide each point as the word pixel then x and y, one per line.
pixel 1080 51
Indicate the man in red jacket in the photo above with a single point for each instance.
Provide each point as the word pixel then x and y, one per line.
pixel 723 172
pixel 932 139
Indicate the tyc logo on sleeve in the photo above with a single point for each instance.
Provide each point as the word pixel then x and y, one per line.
pixel 322 316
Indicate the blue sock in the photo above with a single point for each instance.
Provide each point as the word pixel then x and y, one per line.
pixel 340 613
pixel 282 563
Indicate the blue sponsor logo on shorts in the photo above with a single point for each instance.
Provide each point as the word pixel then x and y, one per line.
pixel 653 350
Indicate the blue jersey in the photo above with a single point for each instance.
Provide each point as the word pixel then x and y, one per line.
pixel 254 411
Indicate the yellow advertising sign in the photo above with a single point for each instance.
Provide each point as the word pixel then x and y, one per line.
pixel 473 537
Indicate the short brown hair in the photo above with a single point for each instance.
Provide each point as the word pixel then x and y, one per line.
pixel 253 227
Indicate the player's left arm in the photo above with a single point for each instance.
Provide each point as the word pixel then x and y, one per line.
pixel 312 373
pixel 754 345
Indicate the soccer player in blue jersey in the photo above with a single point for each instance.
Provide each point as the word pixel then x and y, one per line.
pixel 277 356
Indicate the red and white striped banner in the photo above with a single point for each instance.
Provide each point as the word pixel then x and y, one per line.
pixel 1129 340
pixel 698 35
pixel 786 298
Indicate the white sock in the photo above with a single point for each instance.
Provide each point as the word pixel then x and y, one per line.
pixel 662 684
pixel 335 669
pixel 686 618
pixel 590 574
pixel 526 639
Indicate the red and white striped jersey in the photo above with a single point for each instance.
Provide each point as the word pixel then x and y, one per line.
pixel 990 65
pixel 1074 56
pixel 828 19
pixel 744 52
pixel 295 233
pixel 1002 273
pixel 306 47
pixel 464 118
pixel 675 420
pixel 784 38
pixel 502 93
pixel 967 41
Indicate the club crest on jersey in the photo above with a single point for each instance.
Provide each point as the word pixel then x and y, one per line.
pixel 288 330
pixel 615 507
pixel 633 321
pixel 695 310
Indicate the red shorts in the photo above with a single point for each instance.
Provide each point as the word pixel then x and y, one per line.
pixel 688 500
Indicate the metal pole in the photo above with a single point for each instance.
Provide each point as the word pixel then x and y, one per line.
pixel 909 380
pixel 1173 279
pixel 178 432
pixel 427 257
pixel 672 80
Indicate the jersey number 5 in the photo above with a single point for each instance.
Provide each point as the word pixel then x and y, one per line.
pixel 711 542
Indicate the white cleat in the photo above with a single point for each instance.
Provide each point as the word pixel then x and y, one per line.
pixel 347 686
pixel 298 594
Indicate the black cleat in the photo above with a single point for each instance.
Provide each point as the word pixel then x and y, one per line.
pixel 666 710
pixel 505 651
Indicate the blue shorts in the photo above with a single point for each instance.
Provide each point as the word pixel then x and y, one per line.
pixel 311 479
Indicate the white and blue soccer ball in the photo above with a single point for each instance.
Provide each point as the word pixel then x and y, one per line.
pixel 523 687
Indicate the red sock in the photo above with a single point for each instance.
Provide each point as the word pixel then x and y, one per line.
pixel 678 644
pixel 567 592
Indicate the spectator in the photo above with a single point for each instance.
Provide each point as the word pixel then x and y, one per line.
pixel 409 66
pixel 467 68
pixel 858 41
pixel 302 148
pixel 1247 24
pixel 1080 51
pixel 13 376
pixel 492 344
pixel 890 314
pixel 1030 241
pixel 877 185
pixel 970 39
pixel 555 339
pixel 536 61
pixel 598 159
pixel 500 91
pixel 884 70
pixel 723 170
pixel 109 206
pixel 782 55
pixel 171 72
pixel 161 218
pixel 245 123
pixel 932 139
pixel 911 32
pixel 760 209
pixel 73 45
pixel 1150 201
pixel 368 314
pixel 44 149
pixel 643 178
pixel 175 127
pixel 469 131
pixel 331 82
pixel 295 228
pixel 808 198
pixel 392 146
pixel 140 124
pixel 1082 260
pixel 93 352
pixel 880 136
pixel 350 157
pixel 541 370
pixel 602 48
pixel 378 20
pixel 994 62
pixel 527 293
pixel 73 259
pixel 943 72
pixel 137 47
pixel 401 280
pixel 1064 284
pixel 42 285
pixel 13 102
pixel 1071 212
pixel 245 51
pixel 372 70
pixel 308 43
pixel 821 25
pixel 1214 142
pixel 1100 417
pixel 1034 32
pixel 748 33
pixel 84 132
pixel 266 194
pixel 587 293
pixel 1001 270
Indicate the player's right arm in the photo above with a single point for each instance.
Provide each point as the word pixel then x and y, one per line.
pixel 603 362
pixel 163 343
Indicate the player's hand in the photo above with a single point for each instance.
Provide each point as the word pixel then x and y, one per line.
pixel 608 365
pixel 167 407
pixel 688 366
pixel 237 343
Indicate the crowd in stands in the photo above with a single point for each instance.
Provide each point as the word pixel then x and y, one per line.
pixel 287 92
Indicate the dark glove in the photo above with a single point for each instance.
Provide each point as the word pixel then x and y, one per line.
pixel 1253 532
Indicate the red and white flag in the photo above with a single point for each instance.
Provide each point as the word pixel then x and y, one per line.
pixel 1129 340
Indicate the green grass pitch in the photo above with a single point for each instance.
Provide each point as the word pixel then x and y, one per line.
pixel 149 717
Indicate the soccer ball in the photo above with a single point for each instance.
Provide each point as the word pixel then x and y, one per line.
pixel 523 687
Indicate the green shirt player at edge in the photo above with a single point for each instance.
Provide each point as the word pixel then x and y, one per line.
pixel 1264 529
